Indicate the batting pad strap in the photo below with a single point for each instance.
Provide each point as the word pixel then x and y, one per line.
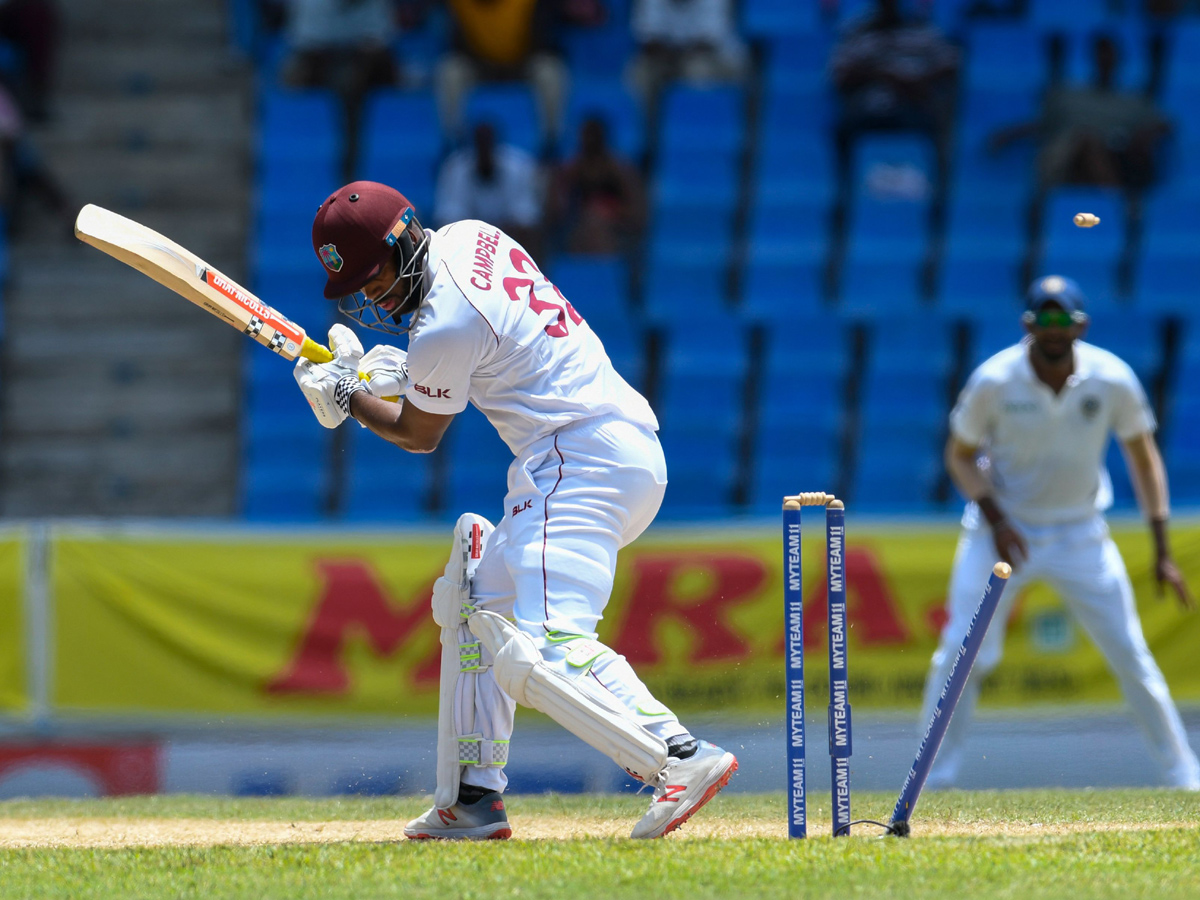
pixel 579 704
pixel 470 657
pixel 476 750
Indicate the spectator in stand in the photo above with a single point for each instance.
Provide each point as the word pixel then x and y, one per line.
pixel 596 199
pixel 493 182
pixel 340 44
pixel 509 40
pixel 894 73
pixel 1094 134
pixel 23 174
pixel 33 26
pixel 689 40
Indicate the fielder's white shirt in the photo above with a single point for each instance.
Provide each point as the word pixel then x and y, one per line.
pixel 492 331
pixel 1046 451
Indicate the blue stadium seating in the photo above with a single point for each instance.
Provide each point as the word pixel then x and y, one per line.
pixel 402 145
pixel 598 52
pixel 908 344
pixel 782 279
pixel 1167 276
pixel 299 125
pixel 881 278
pixel 610 101
pixel 510 109
pixel 779 18
pixel 710 118
pixel 476 476
pixel 382 482
pixel 1183 68
pixel 1008 54
pixel 1136 337
pixel 1080 15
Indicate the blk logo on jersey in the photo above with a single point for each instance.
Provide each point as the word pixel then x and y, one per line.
pixel 432 393
pixel 517 510
pixel 1090 407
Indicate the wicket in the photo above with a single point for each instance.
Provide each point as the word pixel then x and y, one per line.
pixel 940 720
pixel 840 743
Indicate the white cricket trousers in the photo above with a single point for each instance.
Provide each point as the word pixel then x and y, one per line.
pixel 574 499
pixel 1082 564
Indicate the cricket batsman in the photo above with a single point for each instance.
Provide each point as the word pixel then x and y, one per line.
pixel 519 603
pixel 1027 442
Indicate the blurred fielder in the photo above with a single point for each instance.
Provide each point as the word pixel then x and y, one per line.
pixel 1027 445
pixel 519 603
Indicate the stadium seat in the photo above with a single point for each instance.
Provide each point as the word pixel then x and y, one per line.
pixel 476 475
pixel 976 276
pixel 612 102
pixel 878 278
pixel 896 477
pixel 300 124
pixel 402 144
pixel 511 109
pixel 597 286
pixel 594 53
pixel 782 279
pixel 910 344
pixel 1074 15
pixel 1183 58
pixel 382 482
pixel 779 18
pixel 713 118
pixel 686 278
pixel 1167 276
pixel 1008 54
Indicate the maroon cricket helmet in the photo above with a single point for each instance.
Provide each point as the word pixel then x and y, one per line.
pixel 355 231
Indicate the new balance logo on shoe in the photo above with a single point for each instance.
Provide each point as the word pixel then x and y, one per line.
pixel 446 816
pixel 498 806
pixel 670 791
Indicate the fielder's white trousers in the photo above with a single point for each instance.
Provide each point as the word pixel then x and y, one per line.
pixel 574 499
pixel 1082 564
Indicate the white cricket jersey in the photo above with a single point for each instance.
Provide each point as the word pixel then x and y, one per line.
pixel 492 331
pixel 1046 451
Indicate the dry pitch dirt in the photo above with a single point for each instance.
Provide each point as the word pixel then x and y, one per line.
pixel 118 833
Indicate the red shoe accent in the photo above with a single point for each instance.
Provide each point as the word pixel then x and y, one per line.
pixel 669 794
pixel 708 795
pixel 497 806
pixel 502 835
pixel 446 816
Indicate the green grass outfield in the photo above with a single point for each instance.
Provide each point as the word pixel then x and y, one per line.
pixel 1020 844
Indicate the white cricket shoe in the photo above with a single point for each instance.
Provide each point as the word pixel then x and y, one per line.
pixel 683 787
pixel 483 820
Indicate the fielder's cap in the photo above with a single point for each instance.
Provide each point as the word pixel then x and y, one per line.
pixel 1064 292
pixel 354 232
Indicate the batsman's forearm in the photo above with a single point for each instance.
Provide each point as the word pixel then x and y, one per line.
pixel 383 418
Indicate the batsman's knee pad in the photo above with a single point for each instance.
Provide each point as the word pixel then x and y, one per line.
pixel 575 700
pixel 461 742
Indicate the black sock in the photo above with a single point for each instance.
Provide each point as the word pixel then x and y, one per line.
pixel 682 746
pixel 469 794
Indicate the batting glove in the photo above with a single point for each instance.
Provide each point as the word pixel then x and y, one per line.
pixel 386 369
pixel 328 388
pixel 346 347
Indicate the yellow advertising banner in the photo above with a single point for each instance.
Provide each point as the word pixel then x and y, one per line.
pixel 267 625
pixel 13 689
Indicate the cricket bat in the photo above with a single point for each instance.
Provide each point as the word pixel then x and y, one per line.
pixel 192 278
